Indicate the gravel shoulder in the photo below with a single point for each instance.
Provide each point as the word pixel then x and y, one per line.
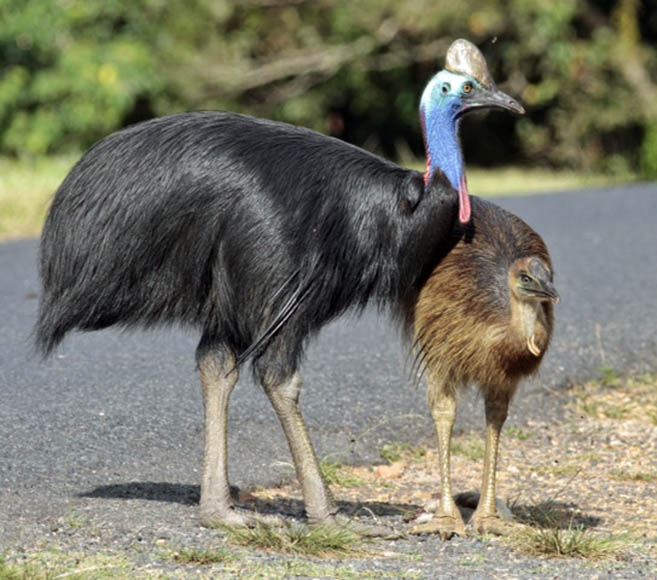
pixel 593 470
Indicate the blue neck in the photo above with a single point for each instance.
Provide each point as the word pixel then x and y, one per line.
pixel 443 147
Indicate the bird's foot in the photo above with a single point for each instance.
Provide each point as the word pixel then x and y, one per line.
pixel 239 518
pixel 492 524
pixel 343 522
pixel 446 526
pixel 498 521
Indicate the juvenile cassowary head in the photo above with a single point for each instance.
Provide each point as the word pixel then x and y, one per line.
pixel 532 281
pixel 531 286
pixel 464 85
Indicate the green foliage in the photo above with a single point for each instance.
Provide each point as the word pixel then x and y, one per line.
pixel 649 152
pixel 75 70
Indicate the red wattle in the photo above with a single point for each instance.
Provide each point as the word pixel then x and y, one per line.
pixel 464 202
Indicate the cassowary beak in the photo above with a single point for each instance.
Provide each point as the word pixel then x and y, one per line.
pixel 550 292
pixel 544 287
pixel 545 291
pixel 493 98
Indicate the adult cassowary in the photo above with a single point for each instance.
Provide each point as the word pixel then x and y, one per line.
pixel 257 233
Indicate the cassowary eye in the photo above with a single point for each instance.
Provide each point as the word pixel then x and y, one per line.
pixel 467 88
pixel 525 279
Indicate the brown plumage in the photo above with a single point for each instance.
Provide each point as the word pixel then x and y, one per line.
pixel 484 317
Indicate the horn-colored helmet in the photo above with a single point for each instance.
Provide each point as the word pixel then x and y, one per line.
pixel 463 57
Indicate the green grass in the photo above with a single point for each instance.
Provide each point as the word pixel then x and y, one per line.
pixel 471 447
pixel 394 452
pixel 571 542
pixel 182 563
pixel 298 540
pixel 50 565
pixel 599 410
pixel 553 532
pixel 652 415
pixel 517 433
pixel 523 180
pixel 26 189
pixel 506 181
pixel 76 520
pixel 27 186
pixel 342 475
pixel 610 378
pixel 635 476
pixel 201 556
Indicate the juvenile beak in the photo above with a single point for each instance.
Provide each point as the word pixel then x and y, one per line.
pixel 548 291
pixel 551 292
pixel 483 98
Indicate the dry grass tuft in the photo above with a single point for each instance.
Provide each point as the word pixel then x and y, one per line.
pixel 571 542
pixel 299 540
pixel 553 530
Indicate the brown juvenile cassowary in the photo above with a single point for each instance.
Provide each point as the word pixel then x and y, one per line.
pixel 256 233
pixel 484 316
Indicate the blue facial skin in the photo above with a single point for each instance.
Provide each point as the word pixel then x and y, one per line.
pixel 443 102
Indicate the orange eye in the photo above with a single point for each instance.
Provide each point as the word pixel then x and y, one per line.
pixel 467 88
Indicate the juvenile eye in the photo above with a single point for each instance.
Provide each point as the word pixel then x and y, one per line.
pixel 445 88
pixel 467 88
pixel 525 279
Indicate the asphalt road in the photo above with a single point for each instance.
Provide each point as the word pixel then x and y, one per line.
pixel 113 411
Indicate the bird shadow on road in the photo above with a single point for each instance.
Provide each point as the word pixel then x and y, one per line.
pixel 554 514
pixel 190 494
pixel 147 490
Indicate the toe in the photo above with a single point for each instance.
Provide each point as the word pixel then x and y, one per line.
pixel 357 527
pixel 491 525
pixel 446 526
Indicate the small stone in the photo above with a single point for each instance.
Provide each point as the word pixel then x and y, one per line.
pixel 423 518
pixel 393 471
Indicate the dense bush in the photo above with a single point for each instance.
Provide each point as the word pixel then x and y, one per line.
pixel 75 70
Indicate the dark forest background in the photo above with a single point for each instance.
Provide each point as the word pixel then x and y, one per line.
pixel 75 70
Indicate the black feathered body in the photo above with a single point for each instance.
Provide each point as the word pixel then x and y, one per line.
pixel 250 230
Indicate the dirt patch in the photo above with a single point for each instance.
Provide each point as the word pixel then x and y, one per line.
pixel 597 469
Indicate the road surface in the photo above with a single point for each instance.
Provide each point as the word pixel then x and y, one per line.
pixel 117 414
